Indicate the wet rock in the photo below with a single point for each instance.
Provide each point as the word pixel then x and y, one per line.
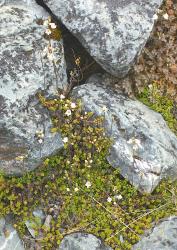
pixel 144 148
pixel 9 239
pixel 26 70
pixel 82 241
pixel 114 32
pixel 161 237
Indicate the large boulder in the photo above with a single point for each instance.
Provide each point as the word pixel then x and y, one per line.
pixel 144 148
pixel 25 126
pixel 9 239
pixel 161 237
pixel 82 241
pixel 114 32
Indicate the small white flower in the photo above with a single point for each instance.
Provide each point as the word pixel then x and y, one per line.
pixel 62 97
pixel 89 166
pixel 46 23
pixel 53 25
pixel 165 16
pixel 48 32
pixel 73 105
pixel 65 139
pixel 40 141
pixel 109 199
pixel 68 189
pixel 119 197
pixel 155 17
pixel 68 112
pixel 105 109
pixel 88 184
pixel 76 189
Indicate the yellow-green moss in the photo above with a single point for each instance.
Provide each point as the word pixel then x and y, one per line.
pixel 152 97
pixel 63 180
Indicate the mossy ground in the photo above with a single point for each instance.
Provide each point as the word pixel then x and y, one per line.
pixel 81 190
pixel 153 97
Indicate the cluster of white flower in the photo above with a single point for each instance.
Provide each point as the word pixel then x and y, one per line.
pixel 49 50
pixel 73 106
pixel 165 16
pixel 49 26
pixel 117 197
pixel 88 163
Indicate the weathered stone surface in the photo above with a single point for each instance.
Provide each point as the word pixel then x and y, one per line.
pixel 82 241
pixel 25 137
pixel 144 147
pixel 161 237
pixel 39 218
pixel 114 32
pixel 9 239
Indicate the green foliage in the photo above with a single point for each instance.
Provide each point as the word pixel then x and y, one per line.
pixel 152 97
pixel 80 189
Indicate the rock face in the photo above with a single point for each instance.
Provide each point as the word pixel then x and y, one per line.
pixel 114 32
pixel 144 148
pixel 162 237
pixel 82 241
pixel 9 239
pixel 25 137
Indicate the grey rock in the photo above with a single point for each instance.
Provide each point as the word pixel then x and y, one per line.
pixel 82 241
pixel 25 137
pixel 114 32
pixel 47 223
pixel 161 237
pixel 144 148
pixel 39 214
pixel 38 221
pixel 9 239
